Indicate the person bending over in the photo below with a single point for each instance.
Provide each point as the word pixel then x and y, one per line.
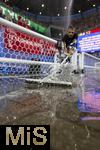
pixel 69 42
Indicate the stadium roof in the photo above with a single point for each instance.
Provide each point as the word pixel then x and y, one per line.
pixel 53 7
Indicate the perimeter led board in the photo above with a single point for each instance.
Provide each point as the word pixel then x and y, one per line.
pixel 89 42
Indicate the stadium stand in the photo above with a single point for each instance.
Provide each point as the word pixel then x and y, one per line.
pixel 83 22
pixel 86 23
pixel 20 17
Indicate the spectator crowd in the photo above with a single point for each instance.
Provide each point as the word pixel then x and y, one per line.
pixel 22 19
pixel 87 23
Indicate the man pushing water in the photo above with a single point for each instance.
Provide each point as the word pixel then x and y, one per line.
pixel 67 48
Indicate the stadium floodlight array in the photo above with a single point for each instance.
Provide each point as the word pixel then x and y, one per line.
pixel 29 56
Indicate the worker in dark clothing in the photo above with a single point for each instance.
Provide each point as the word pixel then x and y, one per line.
pixel 67 46
pixel 70 42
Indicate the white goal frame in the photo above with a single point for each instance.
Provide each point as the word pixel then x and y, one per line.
pixel 29 62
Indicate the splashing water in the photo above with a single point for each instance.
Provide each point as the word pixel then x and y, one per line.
pixel 68 13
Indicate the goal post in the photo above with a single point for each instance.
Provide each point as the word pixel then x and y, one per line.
pixel 97 64
pixel 28 55
pixel 88 62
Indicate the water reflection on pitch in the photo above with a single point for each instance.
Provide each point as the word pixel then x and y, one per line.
pixel 89 98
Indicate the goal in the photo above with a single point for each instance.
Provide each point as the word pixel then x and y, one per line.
pixel 29 56
pixel 88 62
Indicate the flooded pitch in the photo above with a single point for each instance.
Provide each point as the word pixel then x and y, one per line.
pixel 72 113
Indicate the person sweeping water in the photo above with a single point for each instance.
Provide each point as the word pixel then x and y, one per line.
pixel 67 46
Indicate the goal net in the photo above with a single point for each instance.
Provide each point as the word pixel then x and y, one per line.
pixel 97 64
pixel 89 93
pixel 90 62
pixel 28 56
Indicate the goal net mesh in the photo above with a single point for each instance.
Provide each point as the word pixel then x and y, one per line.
pixel 25 56
pixel 91 63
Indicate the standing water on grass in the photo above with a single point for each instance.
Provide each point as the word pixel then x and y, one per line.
pixel 72 113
